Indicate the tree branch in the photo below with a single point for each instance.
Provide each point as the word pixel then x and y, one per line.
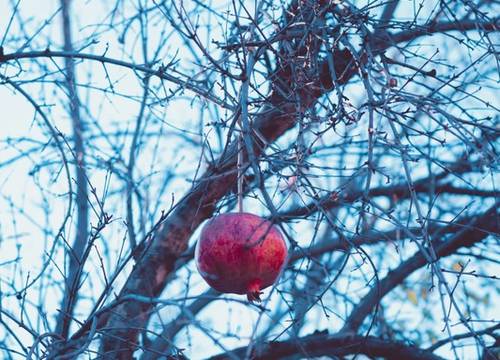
pixel 161 72
pixel 388 13
pixel 400 190
pixel 320 344
pixel 75 265
pixel 473 231
pixel 163 343
pixel 379 40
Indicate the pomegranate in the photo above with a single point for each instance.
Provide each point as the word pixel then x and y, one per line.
pixel 240 253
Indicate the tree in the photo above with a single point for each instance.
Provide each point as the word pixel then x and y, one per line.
pixel 366 131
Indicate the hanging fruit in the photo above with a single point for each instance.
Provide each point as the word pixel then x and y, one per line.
pixel 240 253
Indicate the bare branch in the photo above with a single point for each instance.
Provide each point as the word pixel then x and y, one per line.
pixel 474 230
pixel 75 265
pixel 335 345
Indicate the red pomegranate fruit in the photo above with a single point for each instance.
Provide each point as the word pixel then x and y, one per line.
pixel 240 253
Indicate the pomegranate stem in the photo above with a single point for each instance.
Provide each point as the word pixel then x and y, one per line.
pixel 240 172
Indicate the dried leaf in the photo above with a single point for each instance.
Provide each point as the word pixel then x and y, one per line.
pixel 412 296
pixel 457 266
